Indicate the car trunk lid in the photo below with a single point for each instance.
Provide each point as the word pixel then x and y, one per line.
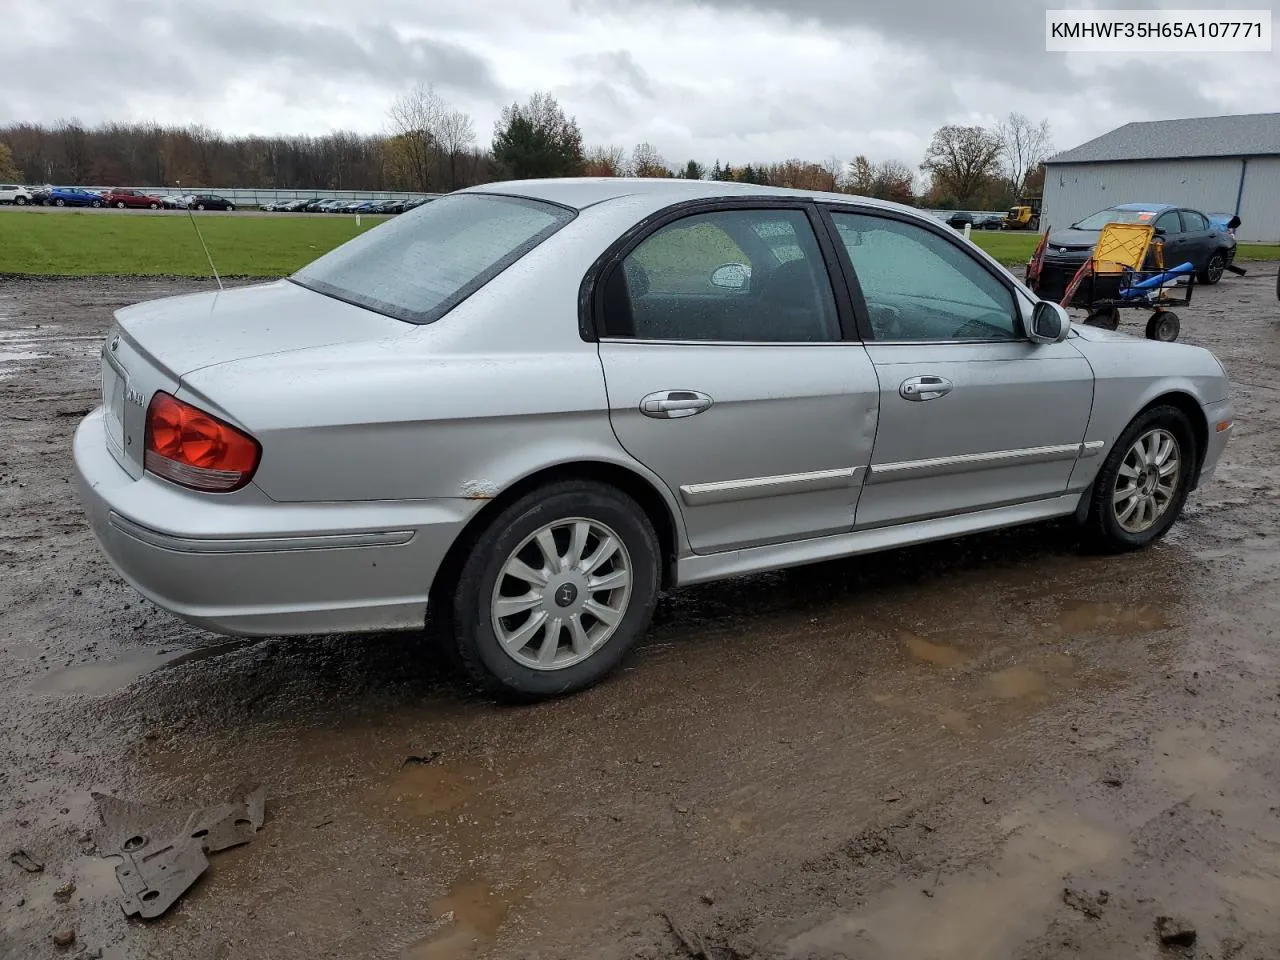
pixel 153 345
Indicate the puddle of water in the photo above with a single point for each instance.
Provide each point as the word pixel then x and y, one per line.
pixel 16 355
pixel 1023 680
pixel 472 913
pixel 975 914
pixel 937 654
pixel 1110 617
pixel 108 676
pixel 428 789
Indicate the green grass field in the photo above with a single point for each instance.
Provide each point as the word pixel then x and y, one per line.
pixel 98 244
pixel 45 243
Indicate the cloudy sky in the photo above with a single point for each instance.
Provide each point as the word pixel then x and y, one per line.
pixel 738 80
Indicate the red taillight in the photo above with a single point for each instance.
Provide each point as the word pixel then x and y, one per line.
pixel 188 446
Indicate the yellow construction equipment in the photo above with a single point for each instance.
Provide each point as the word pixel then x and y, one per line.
pixel 1024 216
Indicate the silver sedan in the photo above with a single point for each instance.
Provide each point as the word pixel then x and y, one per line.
pixel 529 407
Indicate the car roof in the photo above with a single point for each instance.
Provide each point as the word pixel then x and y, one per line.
pixel 1145 206
pixel 583 192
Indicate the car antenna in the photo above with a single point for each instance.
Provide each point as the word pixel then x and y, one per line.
pixel 200 235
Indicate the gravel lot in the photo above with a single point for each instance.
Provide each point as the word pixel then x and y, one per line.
pixel 1000 747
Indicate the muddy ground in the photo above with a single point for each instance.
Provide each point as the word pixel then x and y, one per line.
pixel 1000 747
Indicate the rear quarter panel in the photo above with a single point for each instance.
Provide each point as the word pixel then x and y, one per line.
pixel 500 388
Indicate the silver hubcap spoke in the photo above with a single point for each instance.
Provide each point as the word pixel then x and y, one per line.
pixel 561 594
pixel 1147 481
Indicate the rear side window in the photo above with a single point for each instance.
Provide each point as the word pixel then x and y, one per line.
pixel 732 276
pixel 420 265
pixel 1192 221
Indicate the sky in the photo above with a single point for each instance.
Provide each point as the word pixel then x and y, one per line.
pixel 734 80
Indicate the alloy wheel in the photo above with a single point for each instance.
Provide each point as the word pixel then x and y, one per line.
pixel 561 594
pixel 1215 267
pixel 1147 481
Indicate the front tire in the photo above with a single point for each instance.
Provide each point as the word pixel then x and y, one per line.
pixel 1213 270
pixel 555 591
pixel 1141 488
pixel 60 203
pixel 119 204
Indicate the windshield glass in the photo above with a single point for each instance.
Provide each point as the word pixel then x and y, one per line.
pixel 421 265
pixel 1097 221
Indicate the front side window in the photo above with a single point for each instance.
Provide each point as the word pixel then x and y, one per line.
pixel 1168 222
pixel 729 275
pixel 418 266
pixel 921 286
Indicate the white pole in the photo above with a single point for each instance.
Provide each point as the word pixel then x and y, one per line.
pixel 968 228
pixel 357 219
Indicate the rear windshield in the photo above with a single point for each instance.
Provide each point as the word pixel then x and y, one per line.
pixel 422 264
pixel 1097 221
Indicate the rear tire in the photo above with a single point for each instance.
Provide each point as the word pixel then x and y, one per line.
pixel 1164 326
pixel 577 520
pixel 1140 490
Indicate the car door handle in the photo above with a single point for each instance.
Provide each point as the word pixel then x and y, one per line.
pixel 924 388
pixel 672 404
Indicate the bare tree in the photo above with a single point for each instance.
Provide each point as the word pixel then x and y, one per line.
pixel 1024 145
pixel 455 135
pixel 838 171
pixel 963 160
pixel 416 119
pixel 605 161
pixel 647 162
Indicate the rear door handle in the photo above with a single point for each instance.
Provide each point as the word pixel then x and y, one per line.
pixel 924 388
pixel 673 404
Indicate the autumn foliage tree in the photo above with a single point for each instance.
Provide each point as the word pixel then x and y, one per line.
pixel 7 170
pixel 963 160
pixel 537 139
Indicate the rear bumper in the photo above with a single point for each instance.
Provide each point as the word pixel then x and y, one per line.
pixel 255 567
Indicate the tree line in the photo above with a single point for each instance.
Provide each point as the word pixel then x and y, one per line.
pixel 431 147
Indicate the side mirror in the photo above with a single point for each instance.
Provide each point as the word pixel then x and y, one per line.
pixel 731 276
pixel 1050 323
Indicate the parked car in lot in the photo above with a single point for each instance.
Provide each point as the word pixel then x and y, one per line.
pixel 976 221
pixel 1188 236
pixel 15 194
pixel 989 221
pixel 174 201
pixel 331 206
pixel 693 387
pixel 73 197
pixel 121 198
pixel 209 201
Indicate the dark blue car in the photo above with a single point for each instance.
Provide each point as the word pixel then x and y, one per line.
pixel 72 197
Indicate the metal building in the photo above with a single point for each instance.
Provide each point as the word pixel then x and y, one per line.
pixel 1212 164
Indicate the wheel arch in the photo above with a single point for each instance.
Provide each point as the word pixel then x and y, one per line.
pixel 639 488
pixel 1194 412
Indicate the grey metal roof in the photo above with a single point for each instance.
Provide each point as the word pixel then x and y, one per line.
pixel 1251 135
